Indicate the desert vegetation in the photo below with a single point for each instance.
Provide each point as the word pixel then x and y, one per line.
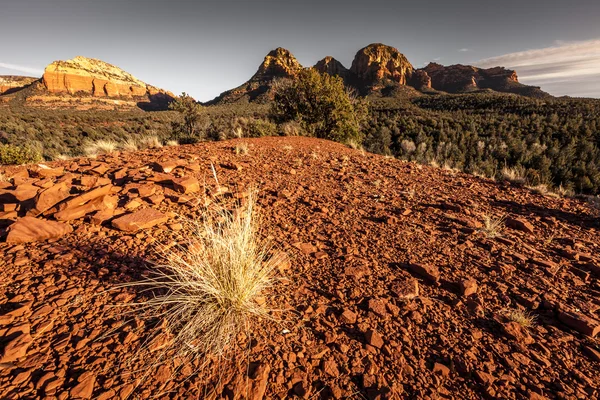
pixel 321 105
pixel 533 142
pixel 210 286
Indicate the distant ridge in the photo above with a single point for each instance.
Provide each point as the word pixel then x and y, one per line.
pixel 379 68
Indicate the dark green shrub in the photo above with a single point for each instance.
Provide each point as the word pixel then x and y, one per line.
pixel 322 105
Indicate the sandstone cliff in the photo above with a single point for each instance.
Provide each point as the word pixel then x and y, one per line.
pixel 377 63
pixel 10 83
pixel 84 83
pixel 94 77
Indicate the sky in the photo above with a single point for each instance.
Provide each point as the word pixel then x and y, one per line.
pixel 206 47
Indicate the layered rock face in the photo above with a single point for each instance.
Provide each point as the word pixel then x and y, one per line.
pixel 93 77
pixel 378 62
pixel 10 83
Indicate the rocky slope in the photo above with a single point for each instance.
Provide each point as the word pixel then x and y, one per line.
pixel 11 83
pixel 382 69
pixel 393 289
pixel 85 83
pixel 279 63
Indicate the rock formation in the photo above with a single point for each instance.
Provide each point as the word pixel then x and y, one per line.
pixel 10 84
pixel 378 62
pixel 279 63
pixel 466 78
pixel 331 66
pixel 92 77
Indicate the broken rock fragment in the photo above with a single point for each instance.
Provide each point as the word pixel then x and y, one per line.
pixel 142 219
pixel 31 229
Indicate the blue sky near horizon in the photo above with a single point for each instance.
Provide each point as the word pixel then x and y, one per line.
pixel 205 48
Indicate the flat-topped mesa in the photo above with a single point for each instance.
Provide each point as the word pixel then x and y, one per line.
pixel 94 77
pixel 11 83
pixel 378 62
pixel 331 66
pixel 465 78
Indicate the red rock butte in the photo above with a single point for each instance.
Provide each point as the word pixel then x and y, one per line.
pixel 93 77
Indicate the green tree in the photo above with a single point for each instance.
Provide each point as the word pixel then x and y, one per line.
pixel 322 105
pixel 190 111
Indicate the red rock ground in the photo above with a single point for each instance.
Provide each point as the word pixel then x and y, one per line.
pixel 363 233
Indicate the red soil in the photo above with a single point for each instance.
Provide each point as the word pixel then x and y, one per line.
pixel 395 291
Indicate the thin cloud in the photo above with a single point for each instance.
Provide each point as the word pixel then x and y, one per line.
pixel 464 50
pixel 567 68
pixel 22 68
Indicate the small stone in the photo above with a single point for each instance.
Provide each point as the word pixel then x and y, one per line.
pixel 330 368
pixel 426 271
pixel 519 224
pixel 84 389
pixel 580 323
pixel 16 348
pixel 378 307
pixel 518 333
pixel 374 338
pixel 468 287
pixel 186 185
pixel 406 289
pixel 441 369
pixel 142 219
pixel 348 317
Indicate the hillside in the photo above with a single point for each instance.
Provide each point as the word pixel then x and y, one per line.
pixel 392 290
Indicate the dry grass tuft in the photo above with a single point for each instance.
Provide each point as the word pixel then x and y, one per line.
pixel 172 143
pixel 492 227
pixel 210 288
pixel 241 148
pixel 149 142
pixel 130 145
pixel 514 175
pixel 523 318
pixel 287 147
pixel 100 147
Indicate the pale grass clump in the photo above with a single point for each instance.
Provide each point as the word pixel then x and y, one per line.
pixel 241 148
pixel 523 318
pixel 100 147
pixel 354 144
pixel 287 147
pixel 492 226
pixel 210 286
pixel 61 157
pixel 513 175
pixel 130 145
pixel 149 142
pixel 172 143
pixel 4 178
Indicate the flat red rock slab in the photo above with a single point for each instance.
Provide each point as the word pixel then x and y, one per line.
pixel 142 219
pixel 30 229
